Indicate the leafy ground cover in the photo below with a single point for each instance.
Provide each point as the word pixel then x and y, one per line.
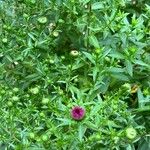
pixel 75 75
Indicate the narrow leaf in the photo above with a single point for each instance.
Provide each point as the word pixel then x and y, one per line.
pixel 140 98
pixel 81 132
pixel 97 5
pixel 129 67
pixel 93 41
pixel 89 56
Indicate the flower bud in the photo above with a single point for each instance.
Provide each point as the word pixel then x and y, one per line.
pixel 15 98
pixel 74 53
pixel 127 87
pixel 32 135
pixel 131 133
pixel 51 61
pixel 42 20
pixel 55 34
pixel 4 40
pixel 34 90
pixel 45 101
pixel 44 138
pixel 78 113
pixel 9 103
pixel 15 89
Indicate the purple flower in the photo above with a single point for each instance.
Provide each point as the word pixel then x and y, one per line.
pixel 78 113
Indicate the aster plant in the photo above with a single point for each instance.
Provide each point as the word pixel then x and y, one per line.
pixel 74 75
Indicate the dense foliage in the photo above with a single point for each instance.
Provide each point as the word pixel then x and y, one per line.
pixel 75 74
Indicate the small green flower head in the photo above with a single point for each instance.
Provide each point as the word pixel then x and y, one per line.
pixel 98 51
pixel 32 1
pixel 131 133
pixel 107 59
pixel 45 101
pixel 10 93
pixel 51 61
pixel 15 98
pixel 31 135
pixel 9 103
pixel 42 114
pixel 127 87
pixel 42 20
pixel 62 57
pixel 60 92
pixel 25 15
pixel 34 90
pixel 55 34
pixel 4 40
pixel 44 138
pixel 15 89
pixel 52 25
pixel 74 53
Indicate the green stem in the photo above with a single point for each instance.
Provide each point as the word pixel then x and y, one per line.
pixel 88 25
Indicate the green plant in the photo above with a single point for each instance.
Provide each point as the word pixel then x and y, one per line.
pixel 57 55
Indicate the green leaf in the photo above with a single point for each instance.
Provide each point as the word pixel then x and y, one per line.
pixel 33 77
pixel 97 5
pixel 140 98
pixel 116 55
pixel 9 58
pixel 106 52
pixel 115 69
pixel 36 148
pixel 95 109
pixel 104 86
pixel 81 132
pixel 144 144
pixel 129 67
pixel 65 122
pixel 90 57
pixel 73 89
pixel 93 41
pixel 129 147
pixel 91 125
pixel 95 73
pixel 143 109
pixel 93 93
pixel 140 62
pixel 84 1
pixel 112 124
pixel 31 35
pixel 120 76
pixel 77 66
